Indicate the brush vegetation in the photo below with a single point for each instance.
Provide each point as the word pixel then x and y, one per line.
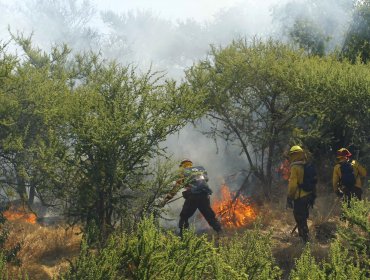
pixel 84 136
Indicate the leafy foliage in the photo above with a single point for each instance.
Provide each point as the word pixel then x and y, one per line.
pixel 343 265
pixel 80 131
pixel 357 41
pixel 264 96
pixel 306 267
pixel 150 253
pixel 356 234
pixel 309 37
pixel 238 252
pixel 118 120
pixel 253 95
pixel 340 265
pixel 29 118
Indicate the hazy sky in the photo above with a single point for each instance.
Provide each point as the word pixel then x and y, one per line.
pixel 199 10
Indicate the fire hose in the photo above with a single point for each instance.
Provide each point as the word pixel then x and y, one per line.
pixel 335 204
pixel 172 200
pixel 293 230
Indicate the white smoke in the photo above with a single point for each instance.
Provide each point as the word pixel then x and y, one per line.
pixel 169 36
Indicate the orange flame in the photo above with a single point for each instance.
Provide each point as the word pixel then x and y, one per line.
pixel 284 169
pixel 17 214
pixel 234 213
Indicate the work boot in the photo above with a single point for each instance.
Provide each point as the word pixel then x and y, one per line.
pixel 181 232
pixel 305 237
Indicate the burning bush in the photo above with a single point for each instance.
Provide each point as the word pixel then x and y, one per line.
pixel 234 210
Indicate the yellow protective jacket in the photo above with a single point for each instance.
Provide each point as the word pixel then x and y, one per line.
pixel 295 179
pixel 358 169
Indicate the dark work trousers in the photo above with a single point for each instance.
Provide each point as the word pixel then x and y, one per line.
pixel 201 202
pixel 351 192
pixel 301 213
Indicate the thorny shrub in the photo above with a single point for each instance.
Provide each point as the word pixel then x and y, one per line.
pixel 340 266
pixel 150 253
pixel 349 253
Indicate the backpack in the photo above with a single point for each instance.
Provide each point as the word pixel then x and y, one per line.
pixel 197 178
pixel 309 178
pixel 348 178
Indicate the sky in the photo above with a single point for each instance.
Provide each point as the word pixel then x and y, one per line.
pixel 199 10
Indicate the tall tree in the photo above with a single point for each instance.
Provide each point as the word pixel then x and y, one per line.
pixel 357 41
pixel 117 121
pixel 316 25
pixel 308 36
pixel 265 96
pixel 253 95
pixel 30 93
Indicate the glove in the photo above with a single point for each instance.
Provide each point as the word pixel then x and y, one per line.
pixel 186 194
pixel 339 193
pixel 289 203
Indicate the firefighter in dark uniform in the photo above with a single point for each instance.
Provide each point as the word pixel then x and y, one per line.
pixel 197 192
pixel 298 199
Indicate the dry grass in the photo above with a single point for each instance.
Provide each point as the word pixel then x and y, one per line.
pixel 288 247
pixel 44 250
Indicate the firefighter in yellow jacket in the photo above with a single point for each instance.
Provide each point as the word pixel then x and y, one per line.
pixel 298 198
pixel 347 175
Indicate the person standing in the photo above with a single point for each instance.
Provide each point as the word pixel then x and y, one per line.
pixel 301 189
pixel 347 175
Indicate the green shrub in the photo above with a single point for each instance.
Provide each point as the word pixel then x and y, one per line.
pixel 357 231
pixel 250 253
pixel 306 267
pixel 354 233
pixel 150 253
pixel 3 269
pixel 343 266
pixel 92 265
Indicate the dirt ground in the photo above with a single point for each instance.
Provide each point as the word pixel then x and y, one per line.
pixel 287 245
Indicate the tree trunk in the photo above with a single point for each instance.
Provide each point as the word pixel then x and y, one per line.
pixel 31 196
pixel 271 150
pixel 21 187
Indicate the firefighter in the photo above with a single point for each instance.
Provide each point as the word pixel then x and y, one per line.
pixel 197 195
pixel 347 175
pixel 300 198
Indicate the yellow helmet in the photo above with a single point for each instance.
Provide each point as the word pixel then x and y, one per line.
pixel 295 149
pixel 186 163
